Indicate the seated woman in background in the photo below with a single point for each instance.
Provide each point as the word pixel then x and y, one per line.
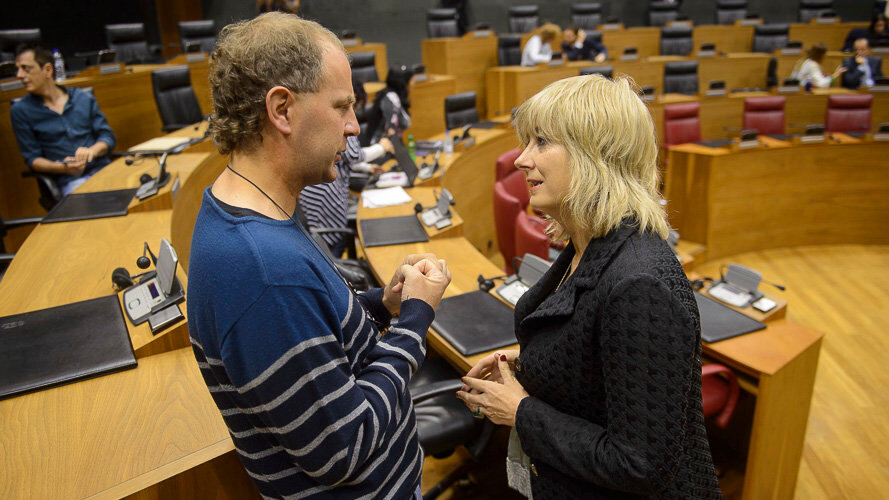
pixel 808 70
pixel 537 49
pixel 577 47
pixel 877 34
pixel 389 114
pixel 605 394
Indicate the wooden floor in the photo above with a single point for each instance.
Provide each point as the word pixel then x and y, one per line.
pixel 842 291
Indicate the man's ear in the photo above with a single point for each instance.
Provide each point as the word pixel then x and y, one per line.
pixel 48 70
pixel 279 107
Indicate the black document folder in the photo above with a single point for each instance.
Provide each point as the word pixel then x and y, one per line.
pixel 40 349
pixel 96 205
pixel 719 322
pixel 475 322
pixel 486 125
pixel 392 231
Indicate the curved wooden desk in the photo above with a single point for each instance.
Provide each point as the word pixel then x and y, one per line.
pixel 778 196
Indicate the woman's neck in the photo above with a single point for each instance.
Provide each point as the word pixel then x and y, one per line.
pixel 580 240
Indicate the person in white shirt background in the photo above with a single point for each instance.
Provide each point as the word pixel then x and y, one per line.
pixel 537 49
pixel 809 69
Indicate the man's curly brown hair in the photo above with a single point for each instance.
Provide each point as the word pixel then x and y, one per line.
pixel 250 58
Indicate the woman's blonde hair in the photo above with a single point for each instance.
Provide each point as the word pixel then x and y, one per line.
pixel 550 31
pixel 612 153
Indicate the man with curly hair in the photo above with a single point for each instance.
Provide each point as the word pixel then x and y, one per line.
pixel 314 396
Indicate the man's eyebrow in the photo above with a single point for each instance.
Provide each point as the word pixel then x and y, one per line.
pixel 350 100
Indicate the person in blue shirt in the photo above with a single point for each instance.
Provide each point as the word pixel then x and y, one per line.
pixel 314 395
pixel 577 46
pixel 60 130
pixel 861 69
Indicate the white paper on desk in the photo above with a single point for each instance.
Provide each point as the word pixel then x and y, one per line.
pixel 160 144
pixel 376 198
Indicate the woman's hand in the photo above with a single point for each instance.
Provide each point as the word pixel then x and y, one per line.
pixel 839 71
pixel 488 368
pixel 497 401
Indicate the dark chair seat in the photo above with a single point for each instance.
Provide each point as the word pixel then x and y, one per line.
pixel 460 110
pixel 682 123
pixel 765 114
pixel 364 67
pixel 523 18
pixel 729 11
pixel 770 37
pixel 587 16
pixel 201 32
pixel 176 101
pixel 11 39
pixel 676 41
pixel 129 43
pixel 661 13
pixel 606 71
pixel 812 9
pixel 509 49
pixel 848 113
pixel 441 23
pixel 681 77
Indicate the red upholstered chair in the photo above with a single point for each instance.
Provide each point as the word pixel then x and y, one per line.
pixel 848 113
pixel 765 114
pixel 682 123
pixel 506 162
pixel 530 236
pixel 720 394
pixel 511 197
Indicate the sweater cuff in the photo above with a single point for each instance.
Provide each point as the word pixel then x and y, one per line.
pixel 416 316
pixel 373 301
pixel 528 420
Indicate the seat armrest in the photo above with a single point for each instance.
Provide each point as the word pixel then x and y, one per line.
pixel 420 394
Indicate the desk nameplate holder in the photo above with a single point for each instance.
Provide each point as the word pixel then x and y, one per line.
pixel 350 43
pixel 706 53
pixel 715 92
pixel 611 27
pixel 11 85
pixel 109 69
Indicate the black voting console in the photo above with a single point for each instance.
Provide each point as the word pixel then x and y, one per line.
pixel 80 206
pixel 719 322
pixel 40 349
pixel 475 322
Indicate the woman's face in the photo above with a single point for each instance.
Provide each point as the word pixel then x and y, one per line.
pixel 880 26
pixel 545 165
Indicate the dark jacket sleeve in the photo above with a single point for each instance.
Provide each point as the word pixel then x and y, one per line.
pixel 852 76
pixel 648 351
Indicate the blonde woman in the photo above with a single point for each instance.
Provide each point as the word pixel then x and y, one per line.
pixel 808 69
pixel 605 397
pixel 537 49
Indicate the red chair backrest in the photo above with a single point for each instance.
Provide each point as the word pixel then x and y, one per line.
pixel 848 113
pixel 765 114
pixel 530 236
pixel 510 198
pixel 682 123
pixel 506 162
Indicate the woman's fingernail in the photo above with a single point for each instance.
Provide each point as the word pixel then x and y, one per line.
pixel 502 357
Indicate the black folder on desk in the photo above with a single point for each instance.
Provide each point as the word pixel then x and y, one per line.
pixel 719 322
pixel 486 124
pixel 79 206
pixel 40 349
pixel 716 143
pixel 475 322
pixel 392 231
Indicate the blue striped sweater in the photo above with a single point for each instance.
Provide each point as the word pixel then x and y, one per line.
pixel 315 399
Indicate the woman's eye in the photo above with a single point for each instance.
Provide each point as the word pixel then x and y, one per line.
pixel 541 141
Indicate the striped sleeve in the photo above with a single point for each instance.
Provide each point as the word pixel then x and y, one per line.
pixel 299 388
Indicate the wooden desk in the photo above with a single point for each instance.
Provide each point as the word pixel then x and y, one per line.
pixel 466 58
pixel 119 175
pixel 728 39
pixel 469 176
pixel 427 104
pixel 831 35
pixel 115 435
pixel 646 39
pixel 780 196
pixel 425 197
pixel 67 262
pixel 379 50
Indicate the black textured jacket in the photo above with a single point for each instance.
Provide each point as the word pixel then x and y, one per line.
pixel 612 363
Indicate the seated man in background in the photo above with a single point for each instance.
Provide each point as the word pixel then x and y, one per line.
pixel 537 49
pixel 577 47
pixel 60 130
pixel 861 69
